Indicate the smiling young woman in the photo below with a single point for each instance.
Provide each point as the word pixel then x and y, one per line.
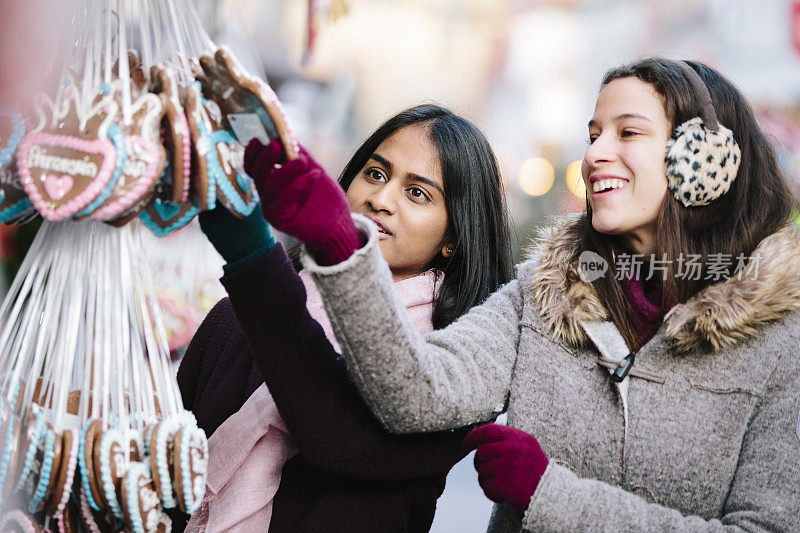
pixel 623 167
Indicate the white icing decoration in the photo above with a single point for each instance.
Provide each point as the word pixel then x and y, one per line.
pixel 38 157
pixel 231 157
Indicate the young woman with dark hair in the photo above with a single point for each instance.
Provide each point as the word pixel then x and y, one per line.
pixel 265 381
pixel 659 397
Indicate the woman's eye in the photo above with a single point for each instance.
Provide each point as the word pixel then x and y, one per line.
pixel 591 139
pixel 629 133
pixel 375 174
pixel 417 193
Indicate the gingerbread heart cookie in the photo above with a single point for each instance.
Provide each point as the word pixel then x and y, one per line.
pixel 145 159
pixel 202 191
pixel 234 187
pixel 39 482
pixel 92 429
pixel 66 471
pixel 175 125
pixel 67 162
pixel 191 462
pixel 163 217
pixel 236 104
pixel 35 431
pixel 111 461
pixel 162 460
pixel 238 91
pixel 141 502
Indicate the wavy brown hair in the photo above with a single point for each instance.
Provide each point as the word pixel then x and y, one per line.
pixel 758 203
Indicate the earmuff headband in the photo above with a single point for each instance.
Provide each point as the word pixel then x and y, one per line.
pixel 707 112
pixel 702 157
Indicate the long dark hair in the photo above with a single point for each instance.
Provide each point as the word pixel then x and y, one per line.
pixel 758 203
pixel 476 209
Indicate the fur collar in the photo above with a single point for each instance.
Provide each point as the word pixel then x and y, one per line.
pixel 720 316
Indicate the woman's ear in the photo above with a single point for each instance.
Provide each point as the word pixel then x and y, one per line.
pixel 448 250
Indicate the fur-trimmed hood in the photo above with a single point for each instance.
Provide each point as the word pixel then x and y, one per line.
pixel 720 316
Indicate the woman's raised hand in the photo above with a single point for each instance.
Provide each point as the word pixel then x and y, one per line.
pixel 300 199
pixel 509 462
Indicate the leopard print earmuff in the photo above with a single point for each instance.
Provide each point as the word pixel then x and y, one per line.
pixel 702 155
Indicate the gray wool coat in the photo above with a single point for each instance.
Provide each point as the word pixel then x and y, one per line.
pixel 706 439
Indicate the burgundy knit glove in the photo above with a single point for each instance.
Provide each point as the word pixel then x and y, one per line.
pixel 301 200
pixel 509 462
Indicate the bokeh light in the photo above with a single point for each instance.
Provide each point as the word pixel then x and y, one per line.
pixel 575 180
pixel 536 176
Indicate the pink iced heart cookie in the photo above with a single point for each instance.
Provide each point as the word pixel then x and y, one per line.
pixel 62 174
pixel 68 160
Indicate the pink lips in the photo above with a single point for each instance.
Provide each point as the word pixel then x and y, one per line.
pixel 380 224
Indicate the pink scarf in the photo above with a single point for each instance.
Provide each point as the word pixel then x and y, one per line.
pixel 247 452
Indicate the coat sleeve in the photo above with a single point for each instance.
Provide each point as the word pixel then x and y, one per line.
pixel 331 425
pixel 449 378
pixel 764 495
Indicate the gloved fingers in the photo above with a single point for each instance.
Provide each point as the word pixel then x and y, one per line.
pixel 277 179
pixel 492 450
pixel 287 201
pixel 260 159
pixel 483 434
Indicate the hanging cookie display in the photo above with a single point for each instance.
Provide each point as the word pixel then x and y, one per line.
pixel 99 440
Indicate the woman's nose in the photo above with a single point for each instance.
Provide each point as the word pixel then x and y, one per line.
pixel 601 150
pixel 384 198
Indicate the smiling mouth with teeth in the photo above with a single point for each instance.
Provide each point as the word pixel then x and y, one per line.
pixel 607 184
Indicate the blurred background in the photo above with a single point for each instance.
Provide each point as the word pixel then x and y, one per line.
pixel 527 72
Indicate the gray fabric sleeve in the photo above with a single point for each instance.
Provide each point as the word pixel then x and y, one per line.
pixel 764 495
pixel 450 378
